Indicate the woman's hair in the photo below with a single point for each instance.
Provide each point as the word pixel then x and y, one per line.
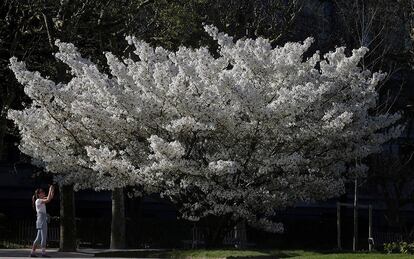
pixel 36 196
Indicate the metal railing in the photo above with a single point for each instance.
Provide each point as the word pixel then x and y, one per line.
pixel 23 231
pixel 235 237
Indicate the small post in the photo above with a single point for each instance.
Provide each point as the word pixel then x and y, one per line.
pixel 355 239
pixel 194 241
pixel 338 224
pixel 370 239
pixel 236 236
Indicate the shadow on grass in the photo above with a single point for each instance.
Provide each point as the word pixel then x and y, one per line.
pixel 224 253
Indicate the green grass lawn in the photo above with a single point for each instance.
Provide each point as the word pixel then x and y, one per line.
pixel 355 256
pixel 297 254
pixel 294 254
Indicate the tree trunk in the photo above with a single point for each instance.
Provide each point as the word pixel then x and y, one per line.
pixel 67 241
pixel 218 227
pixel 118 219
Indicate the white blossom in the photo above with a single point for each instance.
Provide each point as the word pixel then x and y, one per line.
pixel 246 132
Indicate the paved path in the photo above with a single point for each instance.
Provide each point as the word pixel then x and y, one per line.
pixel 14 253
pixel 19 253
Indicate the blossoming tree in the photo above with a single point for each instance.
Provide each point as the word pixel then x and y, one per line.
pixel 240 133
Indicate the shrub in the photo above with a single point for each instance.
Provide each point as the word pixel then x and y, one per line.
pixel 400 247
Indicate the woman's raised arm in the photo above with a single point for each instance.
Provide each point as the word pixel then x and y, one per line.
pixel 49 195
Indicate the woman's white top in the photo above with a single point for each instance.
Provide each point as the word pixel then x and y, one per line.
pixel 40 206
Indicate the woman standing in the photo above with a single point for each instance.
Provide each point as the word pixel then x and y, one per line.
pixel 39 204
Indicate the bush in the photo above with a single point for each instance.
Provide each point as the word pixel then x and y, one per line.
pixel 400 247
